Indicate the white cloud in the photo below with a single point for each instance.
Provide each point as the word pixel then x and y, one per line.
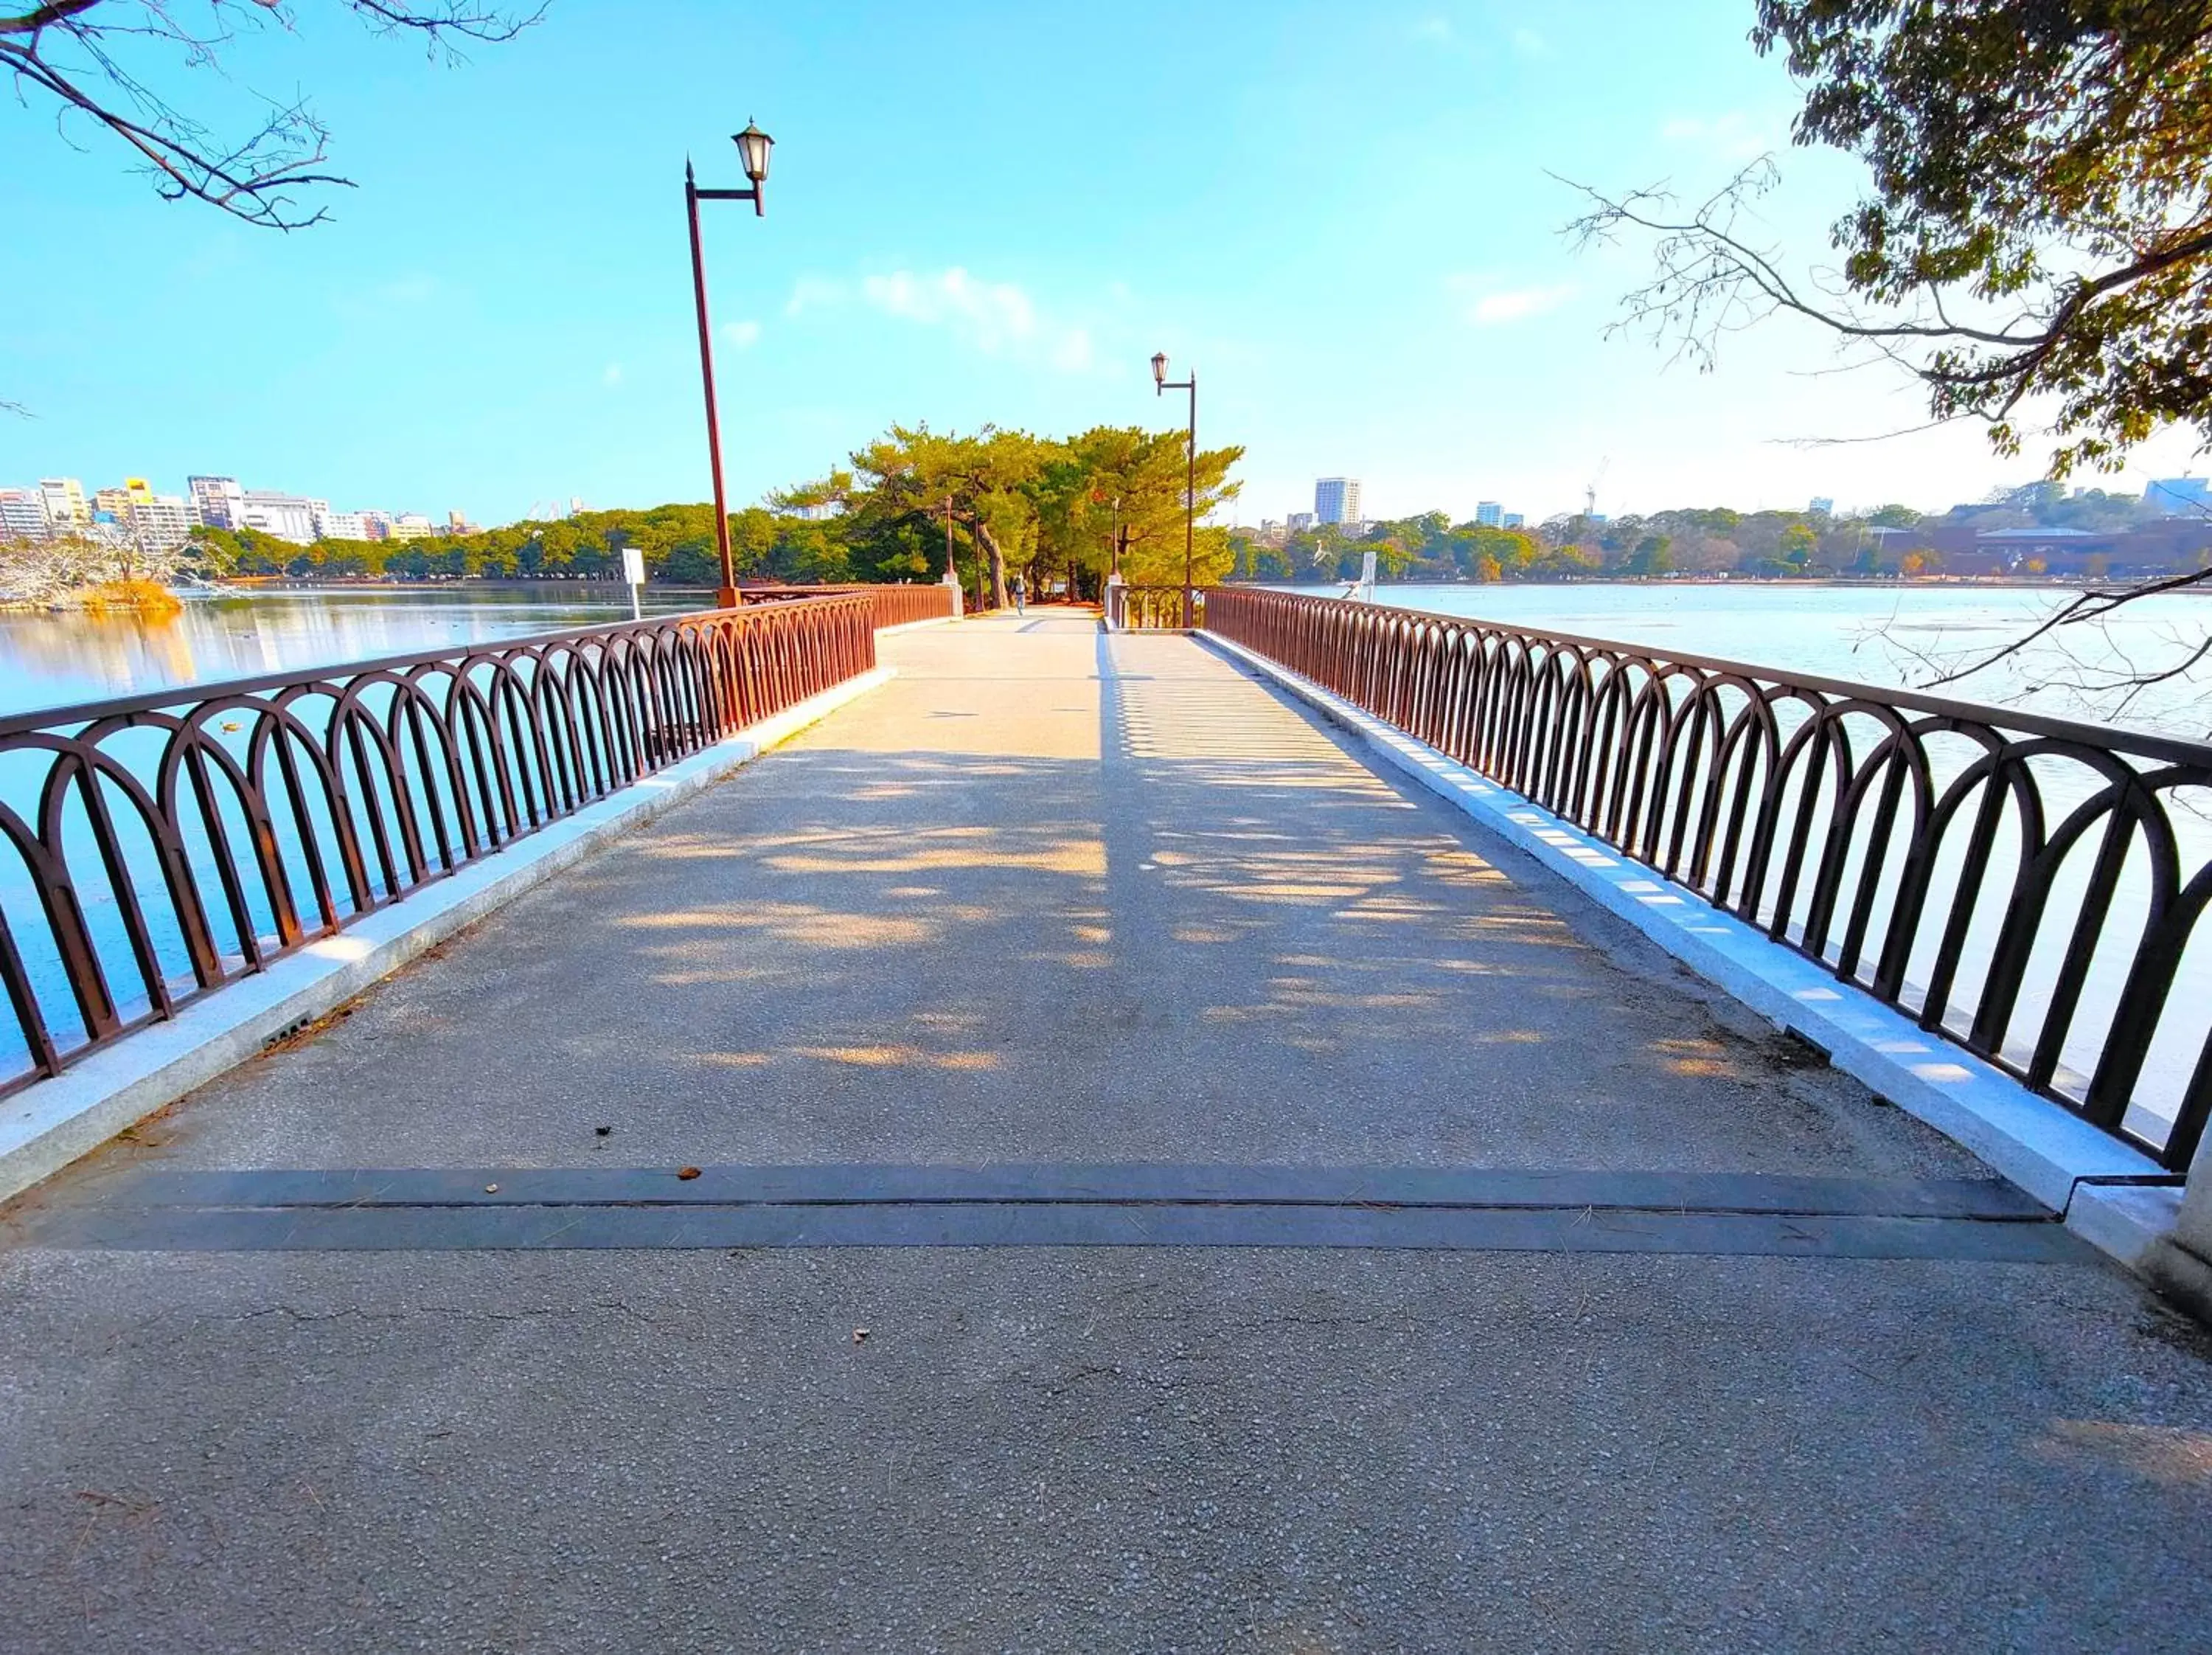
pixel 1733 136
pixel 743 335
pixel 612 375
pixel 1493 307
pixel 1438 29
pixel 1529 43
pixel 998 319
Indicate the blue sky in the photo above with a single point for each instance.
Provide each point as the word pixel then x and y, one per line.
pixel 978 212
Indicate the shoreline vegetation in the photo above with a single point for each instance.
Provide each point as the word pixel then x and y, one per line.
pixel 148 599
pixel 97 572
pixel 1062 512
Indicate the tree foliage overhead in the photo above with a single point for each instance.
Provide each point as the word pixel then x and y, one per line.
pixel 2036 242
pixel 103 67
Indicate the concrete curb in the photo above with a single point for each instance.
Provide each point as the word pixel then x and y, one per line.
pixel 47 1126
pixel 2040 1147
pixel 915 626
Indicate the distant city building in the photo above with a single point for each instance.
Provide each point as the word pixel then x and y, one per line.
pixel 67 509
pixel 219 502
pixel 22 516
pixel 161 520
pixel 1300 521
pixel 1823 505
pixel 156 522
pixel 1514 520
pixel 1489 514
pixel 2177 497
pixel 1336 500
pixel 286 516
pixel 821 512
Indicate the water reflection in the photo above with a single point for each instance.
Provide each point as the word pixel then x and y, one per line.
pixel 56 660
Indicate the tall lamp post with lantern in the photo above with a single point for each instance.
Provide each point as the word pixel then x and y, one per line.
pixel 1162 384
pixel 753 147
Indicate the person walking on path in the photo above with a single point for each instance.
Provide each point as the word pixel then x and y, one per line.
pixel 1018 589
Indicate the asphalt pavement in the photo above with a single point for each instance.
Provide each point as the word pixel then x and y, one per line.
pixel 1106 1093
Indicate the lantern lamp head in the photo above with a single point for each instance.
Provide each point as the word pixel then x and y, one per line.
pixel 753 146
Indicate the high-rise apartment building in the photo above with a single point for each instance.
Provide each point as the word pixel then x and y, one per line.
pixel 287 516
pixel 22 516
pixel 342 525
pixel 1300 521
pixel 159 521
pixel 67 509
pixel 217 502
pixel 1336 500
pixel 1514 520
pixel 156 522
pixel 1489 514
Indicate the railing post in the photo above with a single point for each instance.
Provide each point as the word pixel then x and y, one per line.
pixel 2181 1262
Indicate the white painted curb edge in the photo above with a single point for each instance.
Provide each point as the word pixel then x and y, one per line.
pixel 45 1127
pixel 2030 1140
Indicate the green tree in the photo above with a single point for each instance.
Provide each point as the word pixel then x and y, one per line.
pixel 2037 223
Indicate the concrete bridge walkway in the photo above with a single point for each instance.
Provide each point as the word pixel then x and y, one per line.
pixel 1567 1308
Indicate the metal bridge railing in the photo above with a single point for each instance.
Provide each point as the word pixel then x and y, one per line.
pixel 1154 608
pixel 2032 890
pixel 155 848
pixel 892 605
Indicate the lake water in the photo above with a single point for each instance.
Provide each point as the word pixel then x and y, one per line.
pixel 56 660
pixel 1892 635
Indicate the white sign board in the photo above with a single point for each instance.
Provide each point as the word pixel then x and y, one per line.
pixel 633 566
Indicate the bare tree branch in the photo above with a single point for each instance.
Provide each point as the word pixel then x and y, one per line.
pixel 73 52
pixel 2086 607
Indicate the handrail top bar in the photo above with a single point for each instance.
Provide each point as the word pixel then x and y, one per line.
pixel 2175 749
pixel 39 718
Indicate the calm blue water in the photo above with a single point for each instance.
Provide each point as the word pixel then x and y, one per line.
pixel 1888 635
pixel 1891 636
pixel 55 660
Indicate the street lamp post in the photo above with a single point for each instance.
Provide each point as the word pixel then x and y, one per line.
pixel 1162 384
pixel 753 146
